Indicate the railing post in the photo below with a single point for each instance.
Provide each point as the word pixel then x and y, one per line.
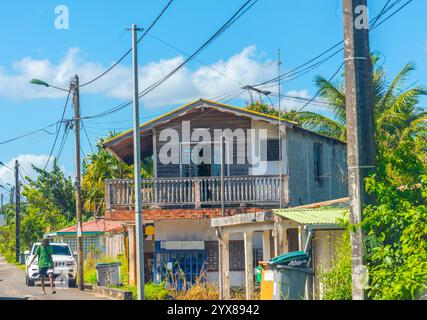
pixel 107 195
pixel 197 193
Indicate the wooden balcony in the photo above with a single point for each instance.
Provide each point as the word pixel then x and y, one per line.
pixel 198 192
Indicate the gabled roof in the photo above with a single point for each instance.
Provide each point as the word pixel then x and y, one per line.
pixel 93 227
pixel 121 146
pixel 178 112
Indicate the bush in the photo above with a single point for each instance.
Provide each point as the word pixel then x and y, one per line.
pixel 155 291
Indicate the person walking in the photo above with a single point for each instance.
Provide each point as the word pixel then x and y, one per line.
pixel 45 263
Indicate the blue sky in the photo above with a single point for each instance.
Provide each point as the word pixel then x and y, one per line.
pixel 246 53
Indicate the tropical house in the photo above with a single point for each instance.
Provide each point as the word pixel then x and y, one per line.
pixel 105 238
pixel 265 163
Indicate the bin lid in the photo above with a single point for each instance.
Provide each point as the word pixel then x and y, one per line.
pixel 300 258
pixel 103 265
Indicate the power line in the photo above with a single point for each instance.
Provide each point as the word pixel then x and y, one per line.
pixel 130 50
pixel 320 90
pixel 59 129
pixel 87 136
pixel 31 133
pixel 312 67
pixel 236 16
pixel 63 141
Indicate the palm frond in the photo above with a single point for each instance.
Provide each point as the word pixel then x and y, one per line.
pixel 321 124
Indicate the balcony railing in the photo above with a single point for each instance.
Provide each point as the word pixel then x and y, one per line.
pixel 197 192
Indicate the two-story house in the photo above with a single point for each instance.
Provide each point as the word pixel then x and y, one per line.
pixel 210 160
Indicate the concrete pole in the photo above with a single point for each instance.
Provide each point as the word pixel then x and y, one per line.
pixel 360 126
pixel 249 265
pixel 226 265
pixel 17 214
pixel 140 279
pixel 80 255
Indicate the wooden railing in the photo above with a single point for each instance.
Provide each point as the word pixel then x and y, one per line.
pixel 197 192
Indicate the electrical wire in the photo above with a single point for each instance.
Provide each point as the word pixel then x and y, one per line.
pixel 374 25
pixel 59 129
pixel 31 133
pixel 130 50
pixel 87 137
pixel 236 16
pixel 320 90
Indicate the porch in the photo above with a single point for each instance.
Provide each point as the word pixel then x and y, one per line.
pixel 198 192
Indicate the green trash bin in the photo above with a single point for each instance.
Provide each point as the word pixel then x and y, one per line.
pixel 290 275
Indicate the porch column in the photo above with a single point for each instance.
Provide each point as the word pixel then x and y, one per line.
pixel 266 245
pixel 249 268
pixel 225 265
pixel 132 255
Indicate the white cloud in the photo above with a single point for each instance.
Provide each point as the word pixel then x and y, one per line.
pixel 185 85
pixel 25 162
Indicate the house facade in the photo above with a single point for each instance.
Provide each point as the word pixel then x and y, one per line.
pixel 212 160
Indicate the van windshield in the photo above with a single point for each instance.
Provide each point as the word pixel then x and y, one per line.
pixel 57 250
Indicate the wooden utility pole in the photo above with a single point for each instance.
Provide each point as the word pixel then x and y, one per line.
pixel 80 255
pixel 17 214
pixel 360 125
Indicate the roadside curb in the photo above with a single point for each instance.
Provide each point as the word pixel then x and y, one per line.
pixel 111 292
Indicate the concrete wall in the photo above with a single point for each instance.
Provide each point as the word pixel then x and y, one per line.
pixel 323 254
pixel 303 189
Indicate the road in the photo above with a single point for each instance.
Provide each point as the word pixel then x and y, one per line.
pixel 13 287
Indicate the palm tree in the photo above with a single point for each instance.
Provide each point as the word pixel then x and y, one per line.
pixel 101 166
pixel 395 105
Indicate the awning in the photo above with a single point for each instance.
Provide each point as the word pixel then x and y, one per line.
pixel 330 217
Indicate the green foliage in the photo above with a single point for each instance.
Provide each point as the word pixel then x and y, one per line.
pixel 101 166
pixel 7 242
pixel 49 206
pixel 155 291
pixel 398 267
pixel 336 280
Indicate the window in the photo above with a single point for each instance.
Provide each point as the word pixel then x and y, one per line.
pixel 317 155
pixel 273 150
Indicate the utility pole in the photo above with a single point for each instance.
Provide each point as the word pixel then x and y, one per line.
pixel 17 214
pixel 140 278
pixel 281 187
pixel 221 278
pixel 80 256
pixel 360 126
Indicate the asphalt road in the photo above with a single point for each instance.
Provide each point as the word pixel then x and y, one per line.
pixel 13 287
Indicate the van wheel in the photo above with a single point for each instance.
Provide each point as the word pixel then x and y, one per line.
pixel 29 282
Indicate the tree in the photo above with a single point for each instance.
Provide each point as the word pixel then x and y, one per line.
pixel 101 166
pixel 49 206
pixel 395 105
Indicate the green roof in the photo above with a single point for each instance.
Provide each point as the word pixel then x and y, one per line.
pixel 321 216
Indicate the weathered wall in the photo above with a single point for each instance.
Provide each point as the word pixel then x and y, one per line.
pixel 266 167
pixel 303 189
pixel 204 119
pixel 128 215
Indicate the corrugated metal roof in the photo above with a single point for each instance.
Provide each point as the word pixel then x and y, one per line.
pixel 93 227
pixel 314 216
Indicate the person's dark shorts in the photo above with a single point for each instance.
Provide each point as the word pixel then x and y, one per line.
pixel 43 271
